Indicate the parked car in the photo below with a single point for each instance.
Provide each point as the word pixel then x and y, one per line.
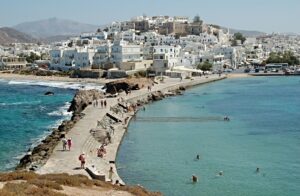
pixel 247 70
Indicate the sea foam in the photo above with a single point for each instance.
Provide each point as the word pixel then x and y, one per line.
pixel 65 85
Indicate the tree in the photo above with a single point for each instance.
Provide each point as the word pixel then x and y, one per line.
pixel 286 57
pixel 206 66
pixel 197 19
pixel 236 37
pixel 70 44
pixel 32 57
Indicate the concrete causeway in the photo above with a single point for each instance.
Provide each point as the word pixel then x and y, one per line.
pixel 83 141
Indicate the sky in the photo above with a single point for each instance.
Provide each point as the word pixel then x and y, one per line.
pixel 262 15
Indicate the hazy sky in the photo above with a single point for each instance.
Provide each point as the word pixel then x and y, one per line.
pixel 264 15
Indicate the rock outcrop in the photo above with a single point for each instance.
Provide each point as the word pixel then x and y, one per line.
pixel 83 98
pixel 127 84
pixel 117 87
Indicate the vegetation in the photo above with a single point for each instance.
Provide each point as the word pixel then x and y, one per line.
pixel 29 183
pixel 286 57
pixel 197 19
pixel 141 74
pixel 38 72
pixel 206 66
pixel 236 37
pixel 31 58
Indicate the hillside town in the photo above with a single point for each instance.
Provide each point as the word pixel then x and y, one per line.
pixel 158 45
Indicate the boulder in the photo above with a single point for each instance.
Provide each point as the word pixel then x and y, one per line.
pixel 49 93
pixel 182 88
pixel 83 98
pixel 120 86
pixel 158 95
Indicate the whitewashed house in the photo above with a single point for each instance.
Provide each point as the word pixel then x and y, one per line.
pixel 123 51
pixel 128 35
pixel 102 55
pixel 165 57
pixel 229 53
pixel 71 58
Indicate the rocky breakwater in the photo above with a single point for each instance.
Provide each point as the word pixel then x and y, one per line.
pixel 39 155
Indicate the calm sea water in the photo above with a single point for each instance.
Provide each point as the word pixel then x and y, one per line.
pixel 160 147
pixel 26 116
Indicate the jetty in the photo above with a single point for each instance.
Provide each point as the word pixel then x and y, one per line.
pixel 85 131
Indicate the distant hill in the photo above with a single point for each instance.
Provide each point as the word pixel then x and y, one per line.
pixel 56 38
pixel 247 33
pixel 54 27
pixel 9 35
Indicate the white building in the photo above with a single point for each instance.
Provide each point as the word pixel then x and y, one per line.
pixel 229 53
pixel 71 58
pixel 181 19
pixel 128 35
pixel 102 55
pixel 12 62
pixel 114 27
pixel 203 38
pixel 123 51
pixel 165 57
pixel 150 37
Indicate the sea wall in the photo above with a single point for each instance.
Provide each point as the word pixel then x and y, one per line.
pixel 39 155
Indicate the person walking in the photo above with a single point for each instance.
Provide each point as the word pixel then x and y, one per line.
pixel 69 142
pixel 64 143
pixel 110 173
pixel 82 160
pixel 105 103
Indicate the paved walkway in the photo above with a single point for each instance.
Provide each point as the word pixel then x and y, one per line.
pixel 67 161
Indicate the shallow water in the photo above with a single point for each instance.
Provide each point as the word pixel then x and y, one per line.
pixel 26 116
pixel 161 145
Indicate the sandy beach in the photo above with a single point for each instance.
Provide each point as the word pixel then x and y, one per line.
pixel 7 76
pixel 83 140
pixel 238 75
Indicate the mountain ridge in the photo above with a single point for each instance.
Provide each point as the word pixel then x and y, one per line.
pixel 9 35
pixel 54 27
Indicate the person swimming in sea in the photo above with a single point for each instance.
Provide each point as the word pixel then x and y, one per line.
pixel 194 178
pixel 198 157
pixel 257 170
pixel 220 174
pixel 226 118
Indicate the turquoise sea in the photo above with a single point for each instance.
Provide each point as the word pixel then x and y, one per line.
pixel 161 145
pixel 27 116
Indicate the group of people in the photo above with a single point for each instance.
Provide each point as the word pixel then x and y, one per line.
pixel 102 102
pixel 219 174
pixel 66 143
pixel 226 118
pixel 101 151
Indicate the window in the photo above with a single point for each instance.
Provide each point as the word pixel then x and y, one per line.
pixel 161 57
pixel 166 65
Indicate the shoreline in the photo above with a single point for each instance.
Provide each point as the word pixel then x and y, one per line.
pixel 59 161
pixel 11 76
pixel 99 167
